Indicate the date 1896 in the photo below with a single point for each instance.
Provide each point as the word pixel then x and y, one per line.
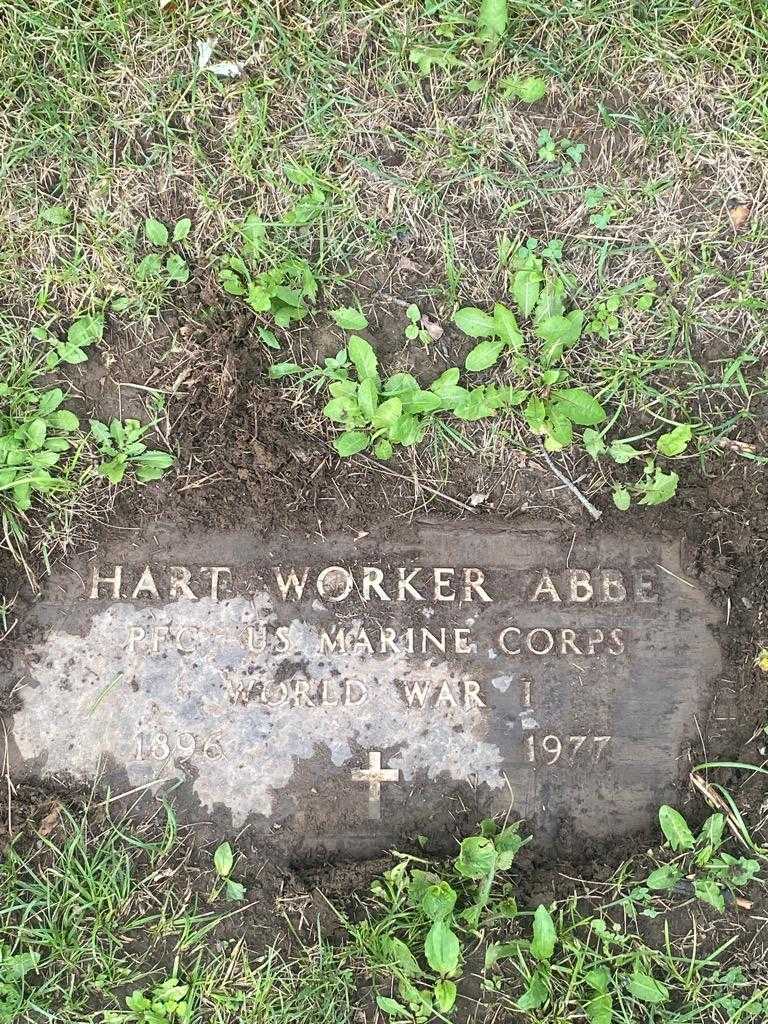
pixel 163 746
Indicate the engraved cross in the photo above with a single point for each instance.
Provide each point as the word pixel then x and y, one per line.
pixel 374 775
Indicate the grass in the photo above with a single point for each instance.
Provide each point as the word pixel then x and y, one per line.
pixel 29 476
pixel 396 183
pixel 399 185
pixel 104 919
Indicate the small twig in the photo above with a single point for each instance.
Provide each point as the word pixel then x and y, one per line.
pixel 423 486
pixel 594 512
pixel 9 630
pixel 136 789
pixel 674 575
pixel 717 803
pixel 7 773
pixel 736 446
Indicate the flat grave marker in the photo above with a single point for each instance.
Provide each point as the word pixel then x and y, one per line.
pixel 341 692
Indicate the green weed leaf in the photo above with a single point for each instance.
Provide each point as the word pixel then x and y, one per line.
pixel 477 857
pixel 156 232
pixel 56 215
pixel 551 301
pixel 85 331
pixel 621 452
pixel 529 89
pixel 182 229
pixel 400 384
pixel 712 830
pixel 526 287
pixel 56 444
pixel 474 406
pixel 49 401
pixel 421 402
pixel 438 901
pixel 426 56
pixel 447 379
pixel 537 992
pixel 223 860
pixel 152 465
pixel 676 441
pixel 279 370
pixel 441 948
pixel 675 828
pixel 408 430
pixel 64 420
pixel 101 432
pixel 665 877
pixel 560 428
pixel 507 843
pixel 418 884
pixel 138 1002
pixel 659 488
pixel 507 327
pixel 709 891
pixel 349 319
pixel 234 891
pixel 399 954
pixel 343 388
pixel 599 1010
pixel 149 267
pixel 114 470
pixel 599 978
pixel 496 951
pixel 363 356
pixel 593 443
pixel 351 442
pixel 71 354
pixel 484 355
pixel 36 431
pixel 492 20
pixel 445 995
pixel 579 406
pixel 387 414
pixel 557 333
pixel 475 322
pixel 231 282
pixel 367 397
pixel 622 499
pixel 535 414
pixel 22 496
pixel 268 338
pixel 544 934
pixel 743 871
pixel 645 988
pixel 391 1007
pixel 176 268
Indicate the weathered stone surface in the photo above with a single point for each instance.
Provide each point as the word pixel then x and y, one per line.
pixel 439 675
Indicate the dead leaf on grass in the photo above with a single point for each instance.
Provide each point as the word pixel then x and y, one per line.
pixel 225 69
pixel 205 51
pixel 478 499
pixel 50 821
pixel 433 329
pixel 407 264
pixel 739 214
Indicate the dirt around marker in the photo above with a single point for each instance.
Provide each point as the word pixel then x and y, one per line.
pixel 349 691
